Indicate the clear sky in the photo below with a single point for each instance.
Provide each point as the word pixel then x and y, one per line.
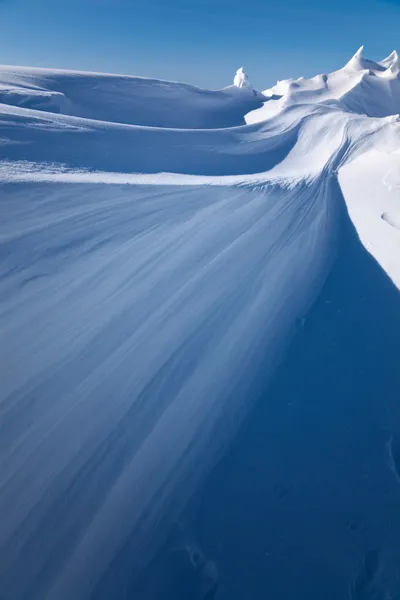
pixel 197 41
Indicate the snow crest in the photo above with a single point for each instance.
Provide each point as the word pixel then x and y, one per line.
pixel 362 86
pixel 157 261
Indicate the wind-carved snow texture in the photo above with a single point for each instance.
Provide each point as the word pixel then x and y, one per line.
pixel 123 99
pixel 152 279
pixel 242 79
pixel 362 86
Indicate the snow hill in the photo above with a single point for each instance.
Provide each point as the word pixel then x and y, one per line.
pixel 361 86
pixel 124 99
pixel 160 260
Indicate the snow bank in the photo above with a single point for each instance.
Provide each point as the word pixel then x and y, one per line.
pixel 138 316
pixel 371 186
pixel 152 279
pixel 361 86
pixel 124 99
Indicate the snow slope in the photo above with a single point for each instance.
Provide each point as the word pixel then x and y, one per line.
pixel 361 86
pixel 152 279
pixel 124 99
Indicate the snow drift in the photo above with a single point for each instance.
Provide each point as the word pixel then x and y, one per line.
pixel 152 279
pixel 361 86
pixel 125 99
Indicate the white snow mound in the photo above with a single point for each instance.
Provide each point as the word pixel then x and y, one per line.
pixel 124 99
pixel 156 262
pixel 241 79
pixel 361 86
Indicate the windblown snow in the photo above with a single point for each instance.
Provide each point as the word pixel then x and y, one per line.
pixel 161 245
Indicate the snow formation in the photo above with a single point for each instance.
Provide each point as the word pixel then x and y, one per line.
pixel 156 262
pixel 241 79
pixel 362 86
pixel 124 99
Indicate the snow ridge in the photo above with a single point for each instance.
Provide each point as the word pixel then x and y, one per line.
pixel 157 263
pixel 361 86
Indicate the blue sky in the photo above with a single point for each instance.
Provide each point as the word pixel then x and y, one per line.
pixel 198 41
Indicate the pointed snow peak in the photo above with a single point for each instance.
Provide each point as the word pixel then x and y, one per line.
pixel 359 63
pixel 359 53
pixel 389 59
pixel 395 62
pixel 241 79
pixel 395 66
pixel 357 60
pixel 391 64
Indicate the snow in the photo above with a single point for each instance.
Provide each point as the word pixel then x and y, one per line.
pixel 158 259
pixel 241 79
pixel 124 99
pixel 371 185
pixel 361 86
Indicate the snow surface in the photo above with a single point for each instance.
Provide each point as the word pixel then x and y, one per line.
pixel 361 86
pixel 157 261
pixel 125 99
pixel 242 79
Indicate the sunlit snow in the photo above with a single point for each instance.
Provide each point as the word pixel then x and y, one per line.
pixel 161 246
